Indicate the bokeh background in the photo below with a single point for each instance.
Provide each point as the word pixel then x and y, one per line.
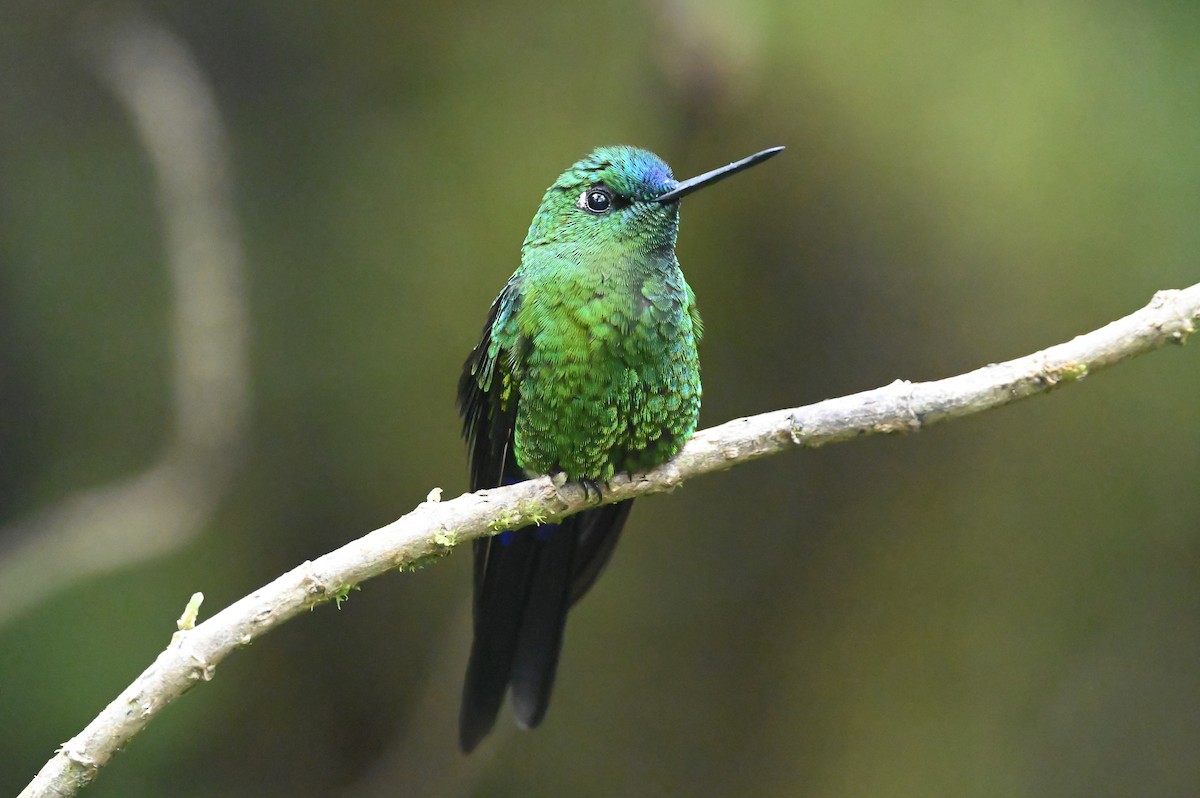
pixel 1003 605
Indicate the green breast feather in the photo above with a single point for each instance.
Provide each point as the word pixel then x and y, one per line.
pixel 602 366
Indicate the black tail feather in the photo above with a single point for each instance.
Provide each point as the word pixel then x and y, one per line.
pixel 542 623
pixel 524 586
pixel 499 596
pixel 599 531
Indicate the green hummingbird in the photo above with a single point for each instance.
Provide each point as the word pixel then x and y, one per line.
pixel 587 366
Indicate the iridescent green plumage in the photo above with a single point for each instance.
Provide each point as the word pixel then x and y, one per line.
pixel 600 331
pixel 587 366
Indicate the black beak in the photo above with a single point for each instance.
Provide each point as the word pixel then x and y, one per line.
pixel 708 178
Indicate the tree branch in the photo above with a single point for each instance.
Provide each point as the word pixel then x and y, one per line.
pixel 434 528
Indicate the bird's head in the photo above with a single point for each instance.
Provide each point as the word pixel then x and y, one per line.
pixel 622 196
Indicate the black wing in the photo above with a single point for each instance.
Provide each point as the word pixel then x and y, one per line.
pixel 487 400
pixel 527 579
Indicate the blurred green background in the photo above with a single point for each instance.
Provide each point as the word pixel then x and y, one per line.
pixel 1004 605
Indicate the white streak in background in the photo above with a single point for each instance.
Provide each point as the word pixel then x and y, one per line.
pixel 163 508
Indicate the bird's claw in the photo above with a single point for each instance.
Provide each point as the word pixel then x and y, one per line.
pixel 591 486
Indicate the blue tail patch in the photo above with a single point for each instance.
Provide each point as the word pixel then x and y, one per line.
pixel 542 531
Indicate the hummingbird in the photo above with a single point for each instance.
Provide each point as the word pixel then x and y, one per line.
pixel 587 367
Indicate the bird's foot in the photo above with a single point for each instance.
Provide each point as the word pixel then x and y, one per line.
pixel 591 486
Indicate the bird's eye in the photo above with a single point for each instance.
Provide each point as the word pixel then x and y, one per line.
pixel 597 200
